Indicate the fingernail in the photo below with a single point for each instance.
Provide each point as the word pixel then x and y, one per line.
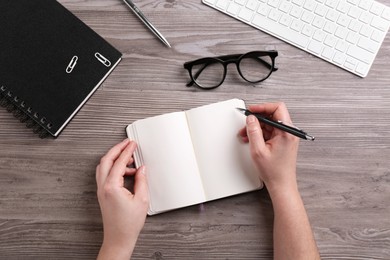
pixel 250 119
pixel 143 170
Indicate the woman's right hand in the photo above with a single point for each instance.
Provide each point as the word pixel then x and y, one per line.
pixel 273 151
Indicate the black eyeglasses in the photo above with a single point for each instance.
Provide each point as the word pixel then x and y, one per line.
pixel 209 73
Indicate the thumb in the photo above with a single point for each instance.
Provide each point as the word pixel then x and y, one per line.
pixel 141 191
pixel 255 135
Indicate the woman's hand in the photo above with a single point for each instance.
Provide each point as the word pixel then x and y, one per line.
pixel 123 212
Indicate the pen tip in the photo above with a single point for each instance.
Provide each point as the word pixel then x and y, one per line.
pixel 241 110
pixel 311 138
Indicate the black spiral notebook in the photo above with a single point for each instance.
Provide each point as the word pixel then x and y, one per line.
pixel 50 63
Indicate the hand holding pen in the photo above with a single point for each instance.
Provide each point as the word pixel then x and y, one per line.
pixel 278 124
pixel 273 151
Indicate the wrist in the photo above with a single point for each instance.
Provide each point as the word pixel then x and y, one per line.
pixel 282 191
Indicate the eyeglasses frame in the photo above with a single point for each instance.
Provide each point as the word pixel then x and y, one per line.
pixel 226 60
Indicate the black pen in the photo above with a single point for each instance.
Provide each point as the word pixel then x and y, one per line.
pixel 279 125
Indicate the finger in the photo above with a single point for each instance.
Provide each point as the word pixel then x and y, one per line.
pixel 242 135
pixel 141 191
pixel 277 110
pixel 107 161
pixel 130 171
pixel 255 135
pixel 242 132
pixel 118 170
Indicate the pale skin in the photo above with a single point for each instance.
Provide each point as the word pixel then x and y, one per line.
pixel 123 212
pixel 274 153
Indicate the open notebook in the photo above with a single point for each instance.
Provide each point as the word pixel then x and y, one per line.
pixel 194 156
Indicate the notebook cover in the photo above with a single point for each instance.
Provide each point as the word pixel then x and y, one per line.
pixel 39 39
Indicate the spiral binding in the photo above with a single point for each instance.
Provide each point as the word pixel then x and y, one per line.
pixel 15 106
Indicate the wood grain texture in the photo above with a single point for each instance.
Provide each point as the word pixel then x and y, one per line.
pixel 48 204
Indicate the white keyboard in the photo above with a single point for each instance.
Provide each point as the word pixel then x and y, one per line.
pixel 346 33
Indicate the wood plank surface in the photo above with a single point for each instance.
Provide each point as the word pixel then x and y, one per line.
pixel 48 204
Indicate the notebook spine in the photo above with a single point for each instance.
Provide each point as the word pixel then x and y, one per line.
pixel 24 113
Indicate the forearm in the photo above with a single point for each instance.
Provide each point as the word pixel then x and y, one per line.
pixel 112 252
pixel 293 236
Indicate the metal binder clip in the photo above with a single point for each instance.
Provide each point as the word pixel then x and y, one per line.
pixel 72 64
pixel 103 59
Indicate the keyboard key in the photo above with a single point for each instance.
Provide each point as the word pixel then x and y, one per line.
pixel 366 31
pixel 368 44
pixel 308 30
pixel 296 25
pixel 378 35
pixel 263 9
pixel 362 68
pixel 366 17
pixel 327 53
pixel 343 7
pixel 376 8
pixel 285 7
pixel 315 47
pixel 359 54
pixel 365 4
pixel 252 4
pixel 355 26
pixel 343 20
pixel 379 23
pixel 245 14
pixel 342 46
pixel 318 22
pixel 321 10
pixel 352 37
pixel 354 12
pixel 332 15
pixel 275 15
pixel 339 58
pixel 330 27
pixel 222 4
pixel 307 17
pixel 332 3
pixel 233 8
pixel 319 35
pixel 285 20
pixel 350 63
pixel 330 40
pixel 296 12
pixel 273 3
pixel 341 32
pixel 310 5
pixel 386 14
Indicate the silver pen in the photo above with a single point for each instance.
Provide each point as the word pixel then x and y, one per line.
pixel 148 24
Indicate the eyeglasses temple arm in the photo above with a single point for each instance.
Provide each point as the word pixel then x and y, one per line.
pixel 189 84
pixel 269 66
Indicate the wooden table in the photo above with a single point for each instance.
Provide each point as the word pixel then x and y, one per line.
pixel 48 204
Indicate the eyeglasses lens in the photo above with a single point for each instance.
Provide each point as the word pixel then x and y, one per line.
pixel 209 74
pixel 255 69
